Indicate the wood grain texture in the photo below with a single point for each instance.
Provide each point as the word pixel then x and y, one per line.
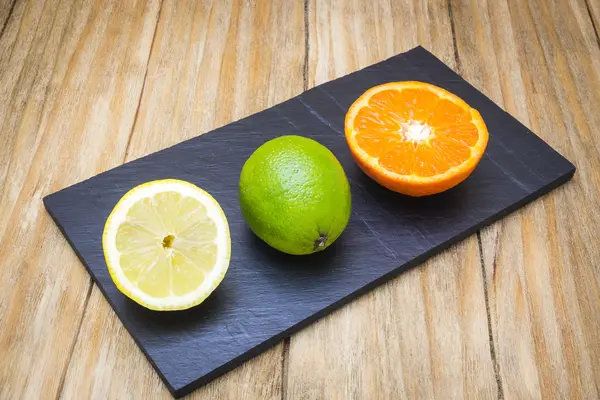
pixel 593 9
pixel 70 80
pixel 424 334
pixel 71 76
pixel 541 263
pixel 6 9
pixel 211 63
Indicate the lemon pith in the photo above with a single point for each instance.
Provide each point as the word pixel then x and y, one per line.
pixel 167 245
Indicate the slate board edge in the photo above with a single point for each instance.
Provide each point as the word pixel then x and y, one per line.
pixel 442 65
pixel 235 362
pixel 417 49
pixel 177 393
pixel 215 130
pixel 107 297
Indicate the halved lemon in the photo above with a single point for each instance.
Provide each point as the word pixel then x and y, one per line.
pixel 167 245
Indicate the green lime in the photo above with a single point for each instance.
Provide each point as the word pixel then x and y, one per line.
pixel 294 195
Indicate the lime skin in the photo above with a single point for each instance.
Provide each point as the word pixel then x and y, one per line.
pixel 294 195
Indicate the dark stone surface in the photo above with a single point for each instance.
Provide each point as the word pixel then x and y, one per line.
pixel 267 295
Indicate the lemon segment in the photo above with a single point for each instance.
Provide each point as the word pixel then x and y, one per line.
pixel 167 244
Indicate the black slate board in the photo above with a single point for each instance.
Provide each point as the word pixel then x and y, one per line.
pixel 267 295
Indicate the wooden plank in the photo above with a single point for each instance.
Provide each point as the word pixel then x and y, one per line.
pixel 593 9
pixel 424 334
pixel 211 63
pixel 6 9
pixel 480 56
pixel 541 262
pixel 71 76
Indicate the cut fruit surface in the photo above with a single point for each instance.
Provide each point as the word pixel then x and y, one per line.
pixel 415 138
pixel 167 245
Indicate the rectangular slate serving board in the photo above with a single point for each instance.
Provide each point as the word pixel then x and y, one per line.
pixel 267 295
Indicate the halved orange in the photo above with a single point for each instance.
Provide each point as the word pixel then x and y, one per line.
pixel 415 138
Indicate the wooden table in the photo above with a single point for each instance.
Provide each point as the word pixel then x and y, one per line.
pixel 512 312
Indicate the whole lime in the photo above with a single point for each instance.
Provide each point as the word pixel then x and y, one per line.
pixel 294 195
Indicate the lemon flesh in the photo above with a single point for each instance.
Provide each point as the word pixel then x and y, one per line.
pixel 167 244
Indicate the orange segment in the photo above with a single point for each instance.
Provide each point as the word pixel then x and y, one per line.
pixel 371 120
pixel 448 113
pixel 376 144
pixel 465 133
pixel 399 158
pixel 415 138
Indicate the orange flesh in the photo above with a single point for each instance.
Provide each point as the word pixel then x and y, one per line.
pixel 385 127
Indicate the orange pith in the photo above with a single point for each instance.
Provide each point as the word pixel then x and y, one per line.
pixel 415 138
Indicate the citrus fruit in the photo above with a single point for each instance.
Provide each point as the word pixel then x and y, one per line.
pixel 166 244
pixel 415 138
pixel 294 195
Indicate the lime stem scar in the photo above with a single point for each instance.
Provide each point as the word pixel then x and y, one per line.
pixel 320 242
